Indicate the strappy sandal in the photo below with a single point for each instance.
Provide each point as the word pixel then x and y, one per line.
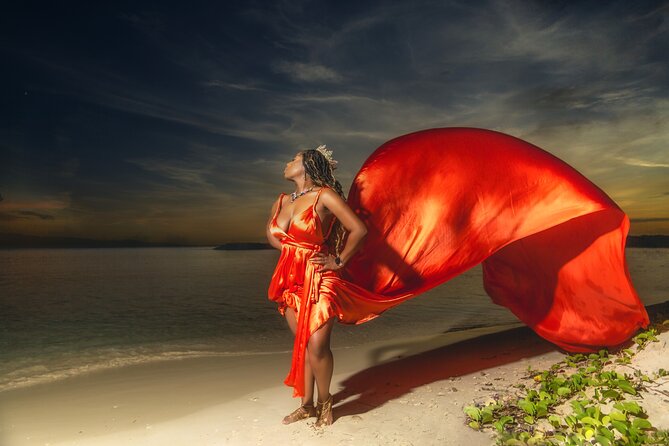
pixel 301 413
pixel 324 411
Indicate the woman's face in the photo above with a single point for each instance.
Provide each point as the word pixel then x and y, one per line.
pixel 294 168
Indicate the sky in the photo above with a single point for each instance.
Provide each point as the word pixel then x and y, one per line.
pixel 172 121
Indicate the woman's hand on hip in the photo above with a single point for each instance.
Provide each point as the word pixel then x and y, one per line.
pixel 324 262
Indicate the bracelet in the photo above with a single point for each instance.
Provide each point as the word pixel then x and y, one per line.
pixel 338 261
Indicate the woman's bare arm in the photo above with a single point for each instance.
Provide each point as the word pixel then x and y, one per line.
pixel 350 221
pixel 270 238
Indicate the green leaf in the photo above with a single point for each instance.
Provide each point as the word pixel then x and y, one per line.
pixel 562 391
pixel 499 424
pixel 529 419
pixel 606 432
pixel 473 412
pixel 632 407
pixel 640 423
pixel 626 386
pixel 578 408
pixel 602 440
pixel 619 426
pixel 555 420
pixel 591 421
pixel 617 416
pixel 610 394
pixel 527 406
pixel 474 425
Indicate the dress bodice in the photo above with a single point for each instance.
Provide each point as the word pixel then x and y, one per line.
pixel 294 273
pixel 304 229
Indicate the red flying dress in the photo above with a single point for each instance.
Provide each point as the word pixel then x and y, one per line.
pixel 438 202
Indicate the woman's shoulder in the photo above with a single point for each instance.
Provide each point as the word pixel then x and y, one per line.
pixel 329 196
pixel 279 201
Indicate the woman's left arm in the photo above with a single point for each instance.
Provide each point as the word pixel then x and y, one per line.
pixel 350 221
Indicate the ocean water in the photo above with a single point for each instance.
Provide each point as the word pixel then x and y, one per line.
pixel 68 311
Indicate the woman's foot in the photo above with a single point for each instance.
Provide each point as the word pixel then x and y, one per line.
pixel 324 410
pixel 301 413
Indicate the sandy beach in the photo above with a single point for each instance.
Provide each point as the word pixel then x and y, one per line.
pixel 402 391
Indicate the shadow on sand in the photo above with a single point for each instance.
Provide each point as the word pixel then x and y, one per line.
pixel 381 383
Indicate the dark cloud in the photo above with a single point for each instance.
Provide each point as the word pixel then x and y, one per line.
pixel 138 112
pixel 11 216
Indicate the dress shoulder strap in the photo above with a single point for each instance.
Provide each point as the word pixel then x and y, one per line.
pixel 279 206
pixel 318 194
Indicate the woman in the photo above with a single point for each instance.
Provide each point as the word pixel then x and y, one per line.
pixel 316 191
pixel 436 203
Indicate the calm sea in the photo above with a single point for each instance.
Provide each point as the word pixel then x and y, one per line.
pixel 68 311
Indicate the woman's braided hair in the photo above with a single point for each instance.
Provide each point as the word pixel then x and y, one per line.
pixel 322 174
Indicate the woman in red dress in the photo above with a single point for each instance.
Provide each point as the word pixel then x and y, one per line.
pixel 429 206
pixel 297 229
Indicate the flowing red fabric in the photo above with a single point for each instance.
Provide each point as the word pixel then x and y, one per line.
pixel 438 202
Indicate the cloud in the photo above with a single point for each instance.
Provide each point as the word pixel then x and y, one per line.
pixel 308 72
pixel 642 163
pixel 195 117
pixel 209 176
pixel 39 215
pixel 177 170
pixel 43 203
pixel 232 85
pixel 19 215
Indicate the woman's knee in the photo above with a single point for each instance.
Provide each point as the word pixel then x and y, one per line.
pixel 319 344
pixel 318 350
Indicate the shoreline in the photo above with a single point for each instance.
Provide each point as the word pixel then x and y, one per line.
pixel 118 400
pixel 408 391
pixel 129 359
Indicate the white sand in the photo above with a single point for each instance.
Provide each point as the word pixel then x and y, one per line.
pixel 408 392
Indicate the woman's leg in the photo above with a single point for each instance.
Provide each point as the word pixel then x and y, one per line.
pixel 308 397
pixel 321 359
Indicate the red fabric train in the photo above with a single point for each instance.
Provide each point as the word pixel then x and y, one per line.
pixel 438 202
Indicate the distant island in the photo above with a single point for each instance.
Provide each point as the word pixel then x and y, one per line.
pixel 648 241
pixel 13 241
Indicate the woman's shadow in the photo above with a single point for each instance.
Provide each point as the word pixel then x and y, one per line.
pixel 376 385
pixel 381 383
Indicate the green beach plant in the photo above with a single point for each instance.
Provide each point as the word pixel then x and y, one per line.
pixel 579 400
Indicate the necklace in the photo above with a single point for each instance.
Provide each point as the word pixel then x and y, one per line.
pixel 294 196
